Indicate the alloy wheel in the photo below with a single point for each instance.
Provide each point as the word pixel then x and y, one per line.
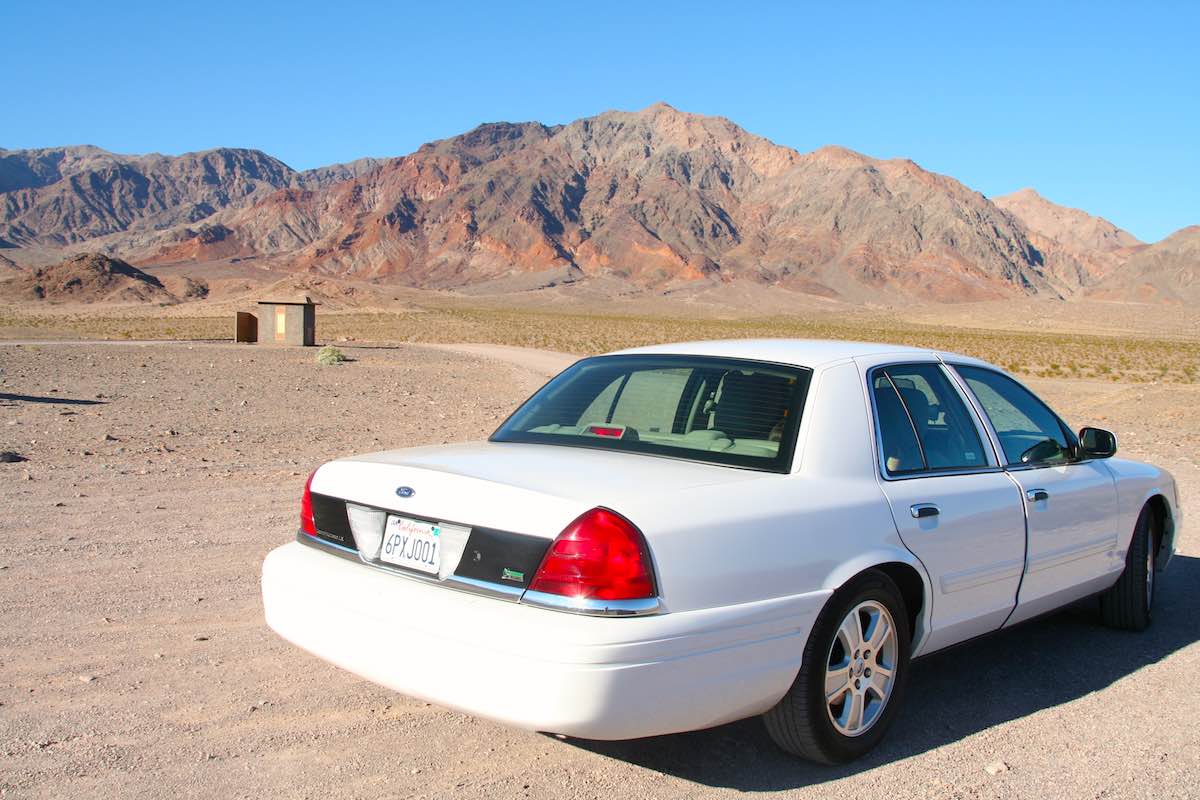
pixel 861 668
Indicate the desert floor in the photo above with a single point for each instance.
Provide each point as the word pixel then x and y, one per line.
pixel 134 661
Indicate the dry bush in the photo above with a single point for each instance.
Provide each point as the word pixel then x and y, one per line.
pixel 330 355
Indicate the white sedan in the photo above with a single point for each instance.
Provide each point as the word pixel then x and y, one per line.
pixel 674 537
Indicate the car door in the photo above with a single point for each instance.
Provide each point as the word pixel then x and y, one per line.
pixel 1070 505
pixel 953 506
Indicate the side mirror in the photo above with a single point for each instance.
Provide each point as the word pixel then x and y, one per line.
pixel 1097 443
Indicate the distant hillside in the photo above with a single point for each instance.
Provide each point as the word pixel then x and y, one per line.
pixel 323 176
pixel 649 200
pixel 87 278
pixel 64 195
pixel 1073 237
pixel 1167 270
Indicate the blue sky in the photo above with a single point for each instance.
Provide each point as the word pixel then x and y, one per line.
pixel 1096 105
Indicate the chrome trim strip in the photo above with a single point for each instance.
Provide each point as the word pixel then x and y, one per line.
pixel 474 586
pixel 600 608
pixel 1065 555
pixel 939 473
pixel 496 591
pixel 322 544
pixel 1043 465
pixel 980 576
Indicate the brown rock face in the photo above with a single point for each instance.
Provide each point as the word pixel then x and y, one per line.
pixel 655 197
pixel 60 196
pixel 1168 270
pixel 87 278
pixel 1082 249
pixel 652 199
pixel 63 195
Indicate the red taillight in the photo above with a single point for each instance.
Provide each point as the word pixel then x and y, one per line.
pixel 599 556
pixel 307 523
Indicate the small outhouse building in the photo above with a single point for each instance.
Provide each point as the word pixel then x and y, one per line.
pixel 291 322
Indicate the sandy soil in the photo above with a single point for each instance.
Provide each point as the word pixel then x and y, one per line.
pixel 134 661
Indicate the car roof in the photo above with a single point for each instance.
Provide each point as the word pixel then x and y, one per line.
pixel 801 352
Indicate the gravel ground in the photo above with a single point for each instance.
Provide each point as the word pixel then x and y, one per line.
pixel 134 661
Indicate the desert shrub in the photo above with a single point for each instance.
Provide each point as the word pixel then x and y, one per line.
pixel 330 355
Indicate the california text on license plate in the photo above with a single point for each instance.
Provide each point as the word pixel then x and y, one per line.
pixel 413 544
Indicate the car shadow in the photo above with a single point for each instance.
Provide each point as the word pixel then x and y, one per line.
pixel 1013 673
pixel 5 397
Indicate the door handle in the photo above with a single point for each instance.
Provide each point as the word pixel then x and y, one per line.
pixel 924 510
pixel 1034 495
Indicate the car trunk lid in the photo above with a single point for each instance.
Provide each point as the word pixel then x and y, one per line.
pixel 532 488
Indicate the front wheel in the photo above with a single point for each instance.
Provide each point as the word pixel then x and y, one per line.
pixel 1127 605
pixel 852 678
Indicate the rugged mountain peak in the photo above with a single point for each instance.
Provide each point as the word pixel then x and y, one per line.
pixel 1024 195
pixel 1083 247
pixel 1063 223
pixel 839 157
pixel 489 141
pixel 1190 236
pixel 659 108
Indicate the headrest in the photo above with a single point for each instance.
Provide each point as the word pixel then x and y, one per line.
pixel 918 405
pixel 751 405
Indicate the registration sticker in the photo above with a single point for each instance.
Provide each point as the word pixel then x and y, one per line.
pixel 412 544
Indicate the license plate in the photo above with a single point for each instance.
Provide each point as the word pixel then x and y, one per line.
pixel 412 544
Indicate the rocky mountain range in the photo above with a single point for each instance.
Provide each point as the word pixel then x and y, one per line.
pixel 1166 270
pixel 1092 244
pixel 64 195
pixel 651 200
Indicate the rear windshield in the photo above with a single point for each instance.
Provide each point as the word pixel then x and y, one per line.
pixel 718 410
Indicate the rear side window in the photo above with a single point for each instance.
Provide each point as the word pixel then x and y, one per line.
pixel 1029 432
pixel 924 425
pixel 723 411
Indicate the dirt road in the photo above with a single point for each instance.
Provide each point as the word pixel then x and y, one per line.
pixel 134 661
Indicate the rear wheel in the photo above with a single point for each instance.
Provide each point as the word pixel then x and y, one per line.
pixel 852 678
pixel 1127 605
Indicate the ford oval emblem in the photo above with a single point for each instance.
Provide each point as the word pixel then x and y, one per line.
pixel 404 491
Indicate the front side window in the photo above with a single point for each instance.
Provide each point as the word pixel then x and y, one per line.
pixel 1029 432
pixel 719 410
pixel 924 425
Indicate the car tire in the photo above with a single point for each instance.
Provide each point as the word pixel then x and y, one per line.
pixel 1128 604
pixel 805 723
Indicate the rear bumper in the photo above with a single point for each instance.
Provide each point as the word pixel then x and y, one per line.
pixel 590 677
